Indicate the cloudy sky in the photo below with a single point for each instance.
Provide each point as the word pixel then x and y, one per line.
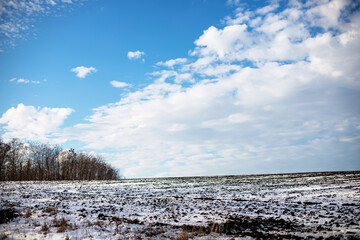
pixel 183 88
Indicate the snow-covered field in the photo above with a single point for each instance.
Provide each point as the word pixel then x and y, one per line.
pixel 231 207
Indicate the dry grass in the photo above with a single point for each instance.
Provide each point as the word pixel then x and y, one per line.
pixel 98 223
pixel 28 213
pixel 62 225
pixel 61 229
pixel 51 210
pixel 183 236
pixel 45 229
pixel 217 228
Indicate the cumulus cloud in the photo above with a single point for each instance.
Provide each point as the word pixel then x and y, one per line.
pixel 33 123
pixel 265 90
pixel 327 13
pixel 118 84
pixel 135 55
pixel 82 72
pixel 265 93
pixel 221 41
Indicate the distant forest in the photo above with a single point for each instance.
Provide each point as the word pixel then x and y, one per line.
pixel 36 161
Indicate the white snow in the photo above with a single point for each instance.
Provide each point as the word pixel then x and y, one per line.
pixel 316 204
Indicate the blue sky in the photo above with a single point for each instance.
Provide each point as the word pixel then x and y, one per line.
pixel 175 88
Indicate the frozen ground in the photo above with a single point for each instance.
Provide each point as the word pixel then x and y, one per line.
pixel 308 205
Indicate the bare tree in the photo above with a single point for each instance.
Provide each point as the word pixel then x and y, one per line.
pixel 38 161
pixel 4 149
pixel 14 160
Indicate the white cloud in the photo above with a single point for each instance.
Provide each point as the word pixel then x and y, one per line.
pixel 118 84
pixel 135 55
pixel 235 118
pixel 177 77
pixel 267 9
pixel 177 127
pixel 221 41
pixel 24 81
pixel 350 139
pixel 327 13
pixel 233 2
pixel 217 70
pixel 268 96
pixel 29 122
pixel 263 94
pixel 19 17
pixel 51 2
pixel 172 62
pixel 21 80
pixel 82 71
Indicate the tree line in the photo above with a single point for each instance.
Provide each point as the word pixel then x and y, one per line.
pixel 37 161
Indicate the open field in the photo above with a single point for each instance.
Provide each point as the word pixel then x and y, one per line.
pixel 230 207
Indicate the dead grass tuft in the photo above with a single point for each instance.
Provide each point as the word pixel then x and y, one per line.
pixel 51 210
pixel 217 228
pixel 62 225
pixel 184 236
pixel 61 229
pixel 98 223
pixel 45 229
pixel 28 213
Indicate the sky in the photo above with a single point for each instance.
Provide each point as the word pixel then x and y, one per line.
pixel 186 88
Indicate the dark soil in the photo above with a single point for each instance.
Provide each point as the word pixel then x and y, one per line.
pixel 6 215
